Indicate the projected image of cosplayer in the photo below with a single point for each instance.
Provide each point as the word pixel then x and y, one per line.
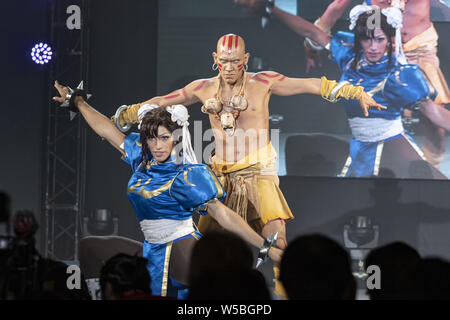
pixel 372 56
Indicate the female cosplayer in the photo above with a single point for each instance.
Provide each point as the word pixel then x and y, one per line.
pixel 166 187
pixel 372 57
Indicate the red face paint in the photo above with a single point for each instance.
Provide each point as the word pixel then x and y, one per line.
pixel 270 75
pixel 257 78
pixel 172 95
pixel 200 85
pixel 239 67
pixel 220 66
pixel 185 95
pixel 230 43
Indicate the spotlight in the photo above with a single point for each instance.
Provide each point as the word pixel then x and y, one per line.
pixel 100 223
pixel 360 236
pixel 41 53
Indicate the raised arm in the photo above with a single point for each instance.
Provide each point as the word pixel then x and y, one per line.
pixel 97 121
pixel 328 89
pixel 333 12
pixel 185 96
pixel 300 25
pixel 303 27
pixel 440 116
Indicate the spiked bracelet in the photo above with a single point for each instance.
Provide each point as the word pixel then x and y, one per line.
pixel 69 101
pixel 264 251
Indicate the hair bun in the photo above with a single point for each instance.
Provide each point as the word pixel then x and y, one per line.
pixel 179 114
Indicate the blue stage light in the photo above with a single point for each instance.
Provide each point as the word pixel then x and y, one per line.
pixel 41 53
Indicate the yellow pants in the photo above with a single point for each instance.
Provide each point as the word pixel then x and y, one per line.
pixel 422 50
pixel 252 188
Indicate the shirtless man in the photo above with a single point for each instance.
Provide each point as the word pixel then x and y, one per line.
pixel 238 106
pixel 419 45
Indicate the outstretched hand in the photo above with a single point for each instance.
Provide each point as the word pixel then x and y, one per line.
pixel 62 90
pixel 366 102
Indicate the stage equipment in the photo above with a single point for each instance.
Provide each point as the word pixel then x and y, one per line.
pixel 41 53
pixel 65 142
pixel 100 223
pixel 360 236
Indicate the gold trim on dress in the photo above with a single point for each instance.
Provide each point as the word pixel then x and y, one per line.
pixel 397 77
pixel 195 236
pixel 347 44
pixel 376 167
pixel 166 269
pixel 147 194
pixel 133 188
pixel 379 87
pixel 217 183
pixel 186 178
pixel 346 166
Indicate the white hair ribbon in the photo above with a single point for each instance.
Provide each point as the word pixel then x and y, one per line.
pixel 143 110
pixel 180 115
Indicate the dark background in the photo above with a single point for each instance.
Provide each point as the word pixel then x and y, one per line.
pixel 138 50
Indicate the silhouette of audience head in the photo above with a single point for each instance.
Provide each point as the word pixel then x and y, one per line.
pixel 431 279
pixel 396 262
pixel 217 250
pixel 224 283
pixel 124 275
pixel 54 283
pixel 314 267
pixel 221 267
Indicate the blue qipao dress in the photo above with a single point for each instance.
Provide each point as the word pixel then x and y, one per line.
pixel 379 141
pixel 164 197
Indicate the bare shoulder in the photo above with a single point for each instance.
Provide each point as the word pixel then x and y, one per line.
pixel 417 5
pixel 266 77
pixel 199 84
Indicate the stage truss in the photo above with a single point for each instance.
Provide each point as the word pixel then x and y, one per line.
pixel 65 147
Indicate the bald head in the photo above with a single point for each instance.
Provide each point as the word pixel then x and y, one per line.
pixel 231 43
pixel 231 58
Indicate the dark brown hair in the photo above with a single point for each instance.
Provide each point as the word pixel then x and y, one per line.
pixel 149 128
pixel 362 31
